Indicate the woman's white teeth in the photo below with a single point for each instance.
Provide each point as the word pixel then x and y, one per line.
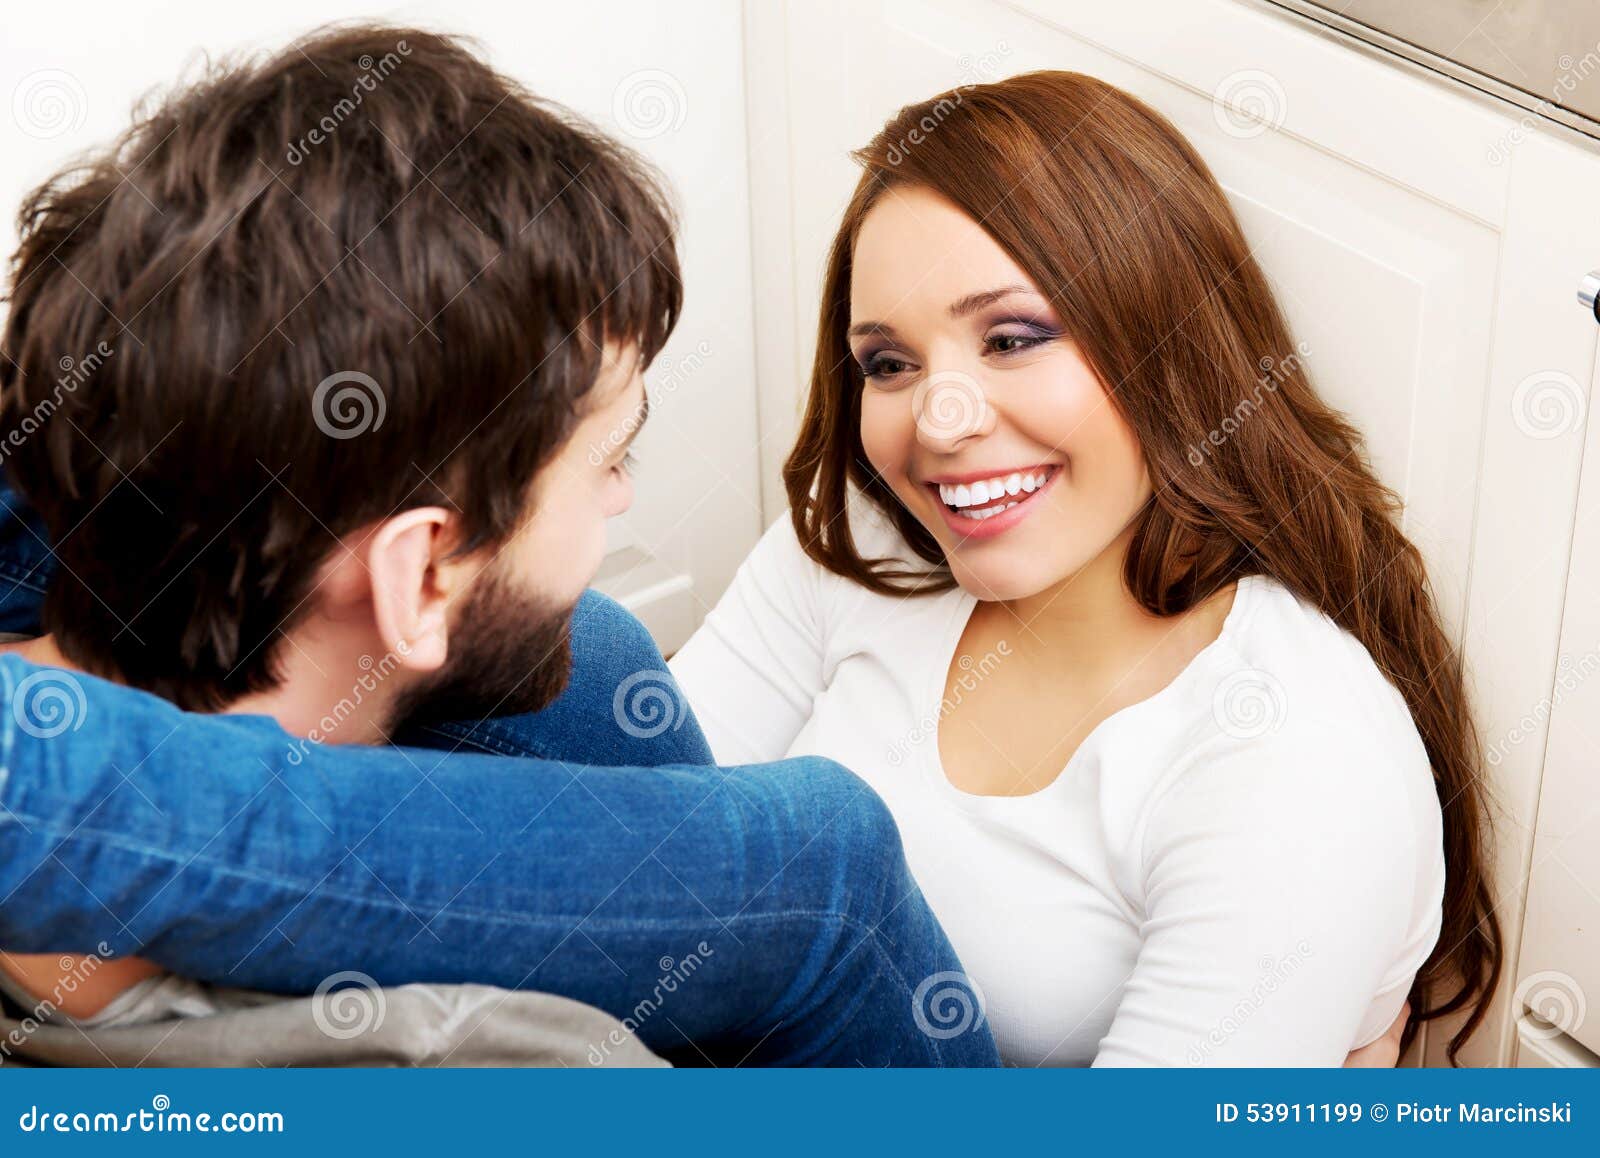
pixel 982 494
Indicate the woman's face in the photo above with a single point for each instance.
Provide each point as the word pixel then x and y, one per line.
pixel 985 419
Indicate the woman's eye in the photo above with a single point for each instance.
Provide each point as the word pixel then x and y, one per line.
pixel 1012 343
pixel 881 366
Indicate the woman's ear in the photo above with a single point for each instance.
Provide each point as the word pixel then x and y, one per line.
pixel 412 585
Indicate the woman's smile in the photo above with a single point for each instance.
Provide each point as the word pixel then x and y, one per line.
pixel 985 504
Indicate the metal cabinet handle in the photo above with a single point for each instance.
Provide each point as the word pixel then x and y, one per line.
pixel 1589 293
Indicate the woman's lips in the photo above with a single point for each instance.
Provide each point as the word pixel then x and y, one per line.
pixel 970 528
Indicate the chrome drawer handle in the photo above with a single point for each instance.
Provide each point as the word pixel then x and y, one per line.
pixel 1589 293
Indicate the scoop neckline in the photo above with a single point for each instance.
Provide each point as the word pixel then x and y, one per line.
pixel 1248 590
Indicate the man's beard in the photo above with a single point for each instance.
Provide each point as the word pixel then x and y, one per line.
pixel 510 654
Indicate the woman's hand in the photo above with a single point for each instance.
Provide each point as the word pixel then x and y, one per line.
pixel 1385 1052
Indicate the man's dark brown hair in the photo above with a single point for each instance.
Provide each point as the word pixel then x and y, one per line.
pixel 366 274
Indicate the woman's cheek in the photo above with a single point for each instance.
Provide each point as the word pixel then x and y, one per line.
pixel 886 434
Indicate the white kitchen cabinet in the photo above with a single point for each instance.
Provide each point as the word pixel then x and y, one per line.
pixel 1542 1047
pixel 1558 973
pixel 1425 242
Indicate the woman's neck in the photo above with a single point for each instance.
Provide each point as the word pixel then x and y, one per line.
pixel 1093 624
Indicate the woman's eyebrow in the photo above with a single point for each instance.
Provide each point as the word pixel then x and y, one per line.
pixel 867 329
pixel 961 307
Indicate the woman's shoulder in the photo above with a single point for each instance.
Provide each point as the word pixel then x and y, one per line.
pixel 1285 721
pixel 1303 763
pixel 1318 679
pixel 1306 733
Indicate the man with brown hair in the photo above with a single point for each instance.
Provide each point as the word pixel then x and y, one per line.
pixel 331 478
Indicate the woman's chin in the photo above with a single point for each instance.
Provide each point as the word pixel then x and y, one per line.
pixel 998 584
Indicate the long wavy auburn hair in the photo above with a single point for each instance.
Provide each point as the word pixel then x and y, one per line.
pixel 1120 223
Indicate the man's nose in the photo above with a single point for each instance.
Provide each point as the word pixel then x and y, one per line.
pixel 951 407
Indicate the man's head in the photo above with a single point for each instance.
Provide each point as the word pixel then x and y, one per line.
pixel 311 360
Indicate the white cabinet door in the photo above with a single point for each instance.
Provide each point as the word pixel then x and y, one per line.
pixel 1424 245
pixel 1558 975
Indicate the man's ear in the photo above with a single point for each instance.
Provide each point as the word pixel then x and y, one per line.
pixel 412 585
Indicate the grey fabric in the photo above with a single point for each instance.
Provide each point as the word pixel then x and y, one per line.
pixel 411 1025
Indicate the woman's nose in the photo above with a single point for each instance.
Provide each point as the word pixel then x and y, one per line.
pixel 951 407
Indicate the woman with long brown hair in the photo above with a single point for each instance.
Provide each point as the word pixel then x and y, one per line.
pixel 1086 581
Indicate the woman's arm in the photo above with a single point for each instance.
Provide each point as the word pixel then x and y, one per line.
pixel 753 669
pixel 1282 893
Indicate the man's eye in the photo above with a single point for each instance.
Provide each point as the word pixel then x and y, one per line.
pixel 627 465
